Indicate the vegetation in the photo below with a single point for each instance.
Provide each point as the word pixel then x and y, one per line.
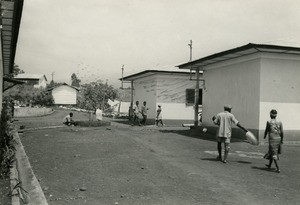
pixel 27 95
pixel 7 148
pixel 95 95
pixel 75 81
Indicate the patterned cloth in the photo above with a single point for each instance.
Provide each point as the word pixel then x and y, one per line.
pixel 274 131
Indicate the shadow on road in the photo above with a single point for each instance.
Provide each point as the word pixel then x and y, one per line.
pixel 214 159
pixel 198 134
pixel 211 159
pixel 243 162
pixel 263 168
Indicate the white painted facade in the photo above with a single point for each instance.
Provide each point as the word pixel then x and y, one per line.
pixel 37 80
pixel 167 90
pixel 253 85
pixel 42 83
pixel 64 95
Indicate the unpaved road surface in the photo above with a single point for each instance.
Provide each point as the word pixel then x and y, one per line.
pixel 146 165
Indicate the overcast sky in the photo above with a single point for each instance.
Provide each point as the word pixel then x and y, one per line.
pixel 94 38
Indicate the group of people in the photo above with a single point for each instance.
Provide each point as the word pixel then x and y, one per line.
pixel 140 114
pixel 224 120
pixel 274 131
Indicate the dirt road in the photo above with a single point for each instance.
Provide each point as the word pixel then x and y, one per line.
pixel 145 165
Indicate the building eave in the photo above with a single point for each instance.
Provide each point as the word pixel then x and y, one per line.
pixel 245 50
pixel 10 21
pixel 147 73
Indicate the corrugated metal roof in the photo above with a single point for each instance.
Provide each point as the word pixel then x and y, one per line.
pixel 152 72
pixel 30 76
pixel 11 18
pixel 239 52
pixel 64 84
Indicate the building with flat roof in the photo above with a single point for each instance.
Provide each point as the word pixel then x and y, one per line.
pixel 254 79
pixel 173 90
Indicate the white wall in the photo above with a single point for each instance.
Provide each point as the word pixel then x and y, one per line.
pixel 43 82
pixel 171 95
pixel 234 82
pixel 64 95
pixel 280 89
pixel 167 90
pixel 288 113
pixel 145 90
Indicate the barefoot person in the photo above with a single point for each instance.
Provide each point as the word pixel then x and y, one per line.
pixel 137 113
pixel 224 120
pixel 158 118
pixel 274 130
pixel 144 110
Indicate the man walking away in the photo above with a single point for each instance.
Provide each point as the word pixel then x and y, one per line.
pixel 224 120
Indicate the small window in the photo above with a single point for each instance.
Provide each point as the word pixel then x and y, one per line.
pixel 190 96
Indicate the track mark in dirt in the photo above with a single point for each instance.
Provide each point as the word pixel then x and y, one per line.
pixel 253 155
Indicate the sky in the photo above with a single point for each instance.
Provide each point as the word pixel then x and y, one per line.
pixel 95 38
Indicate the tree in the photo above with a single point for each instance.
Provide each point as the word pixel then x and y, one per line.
pixel 16 71
pixel 96 94
pixel 27 95
pixel 75 80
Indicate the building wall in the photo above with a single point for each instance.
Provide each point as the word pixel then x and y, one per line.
pixel 171 95
pixel 145 90
pixel 280 90
pixel 64 95
pixel 234 82
pixel 169 91
pixel 42 83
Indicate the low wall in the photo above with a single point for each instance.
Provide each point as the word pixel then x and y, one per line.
pixel 31 111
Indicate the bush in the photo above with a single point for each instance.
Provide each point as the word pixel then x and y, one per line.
pixel 7 143
pixel 27 95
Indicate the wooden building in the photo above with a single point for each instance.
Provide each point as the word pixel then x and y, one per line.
pixel 64 94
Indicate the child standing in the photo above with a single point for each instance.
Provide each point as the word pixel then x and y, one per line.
pixel 274 130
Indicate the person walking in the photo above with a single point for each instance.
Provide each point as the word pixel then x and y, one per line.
pixel 144 110
pixel 158 117
pixel 224 121
pixel 274 130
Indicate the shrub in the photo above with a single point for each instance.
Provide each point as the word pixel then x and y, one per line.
pixel 7 143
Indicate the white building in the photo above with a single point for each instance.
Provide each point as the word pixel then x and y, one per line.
pixel 174 91
pixel 254 79
pixel 37 80
pixel 64 94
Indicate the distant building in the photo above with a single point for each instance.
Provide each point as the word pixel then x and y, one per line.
pixel 173 90
pixel 37 80
pixel 254 79
pixel 64 94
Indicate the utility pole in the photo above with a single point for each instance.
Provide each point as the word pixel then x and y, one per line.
pixel 122 75
pixel 52 75
pixel 191 48
pixel 196 103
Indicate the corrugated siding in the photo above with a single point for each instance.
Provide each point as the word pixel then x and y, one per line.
pixel 173 89
pixel 64 95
